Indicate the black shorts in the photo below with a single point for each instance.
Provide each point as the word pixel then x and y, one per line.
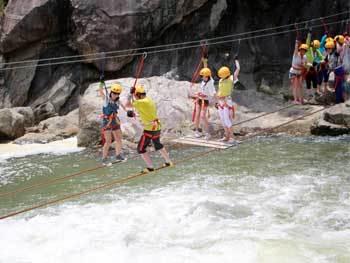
pixel 145 140
pixel 206 102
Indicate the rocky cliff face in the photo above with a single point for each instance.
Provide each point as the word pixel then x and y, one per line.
pixel 42 29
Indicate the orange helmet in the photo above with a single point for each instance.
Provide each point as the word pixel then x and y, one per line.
pixel 340 39
pixel 224 72
pixel 140 89
pixel 329 44
pixel 303 47
pixel 116 88
pixel 205 72
pixel 316 43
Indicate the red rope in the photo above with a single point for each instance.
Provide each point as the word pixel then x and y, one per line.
pixel 198 68
pixel 140 68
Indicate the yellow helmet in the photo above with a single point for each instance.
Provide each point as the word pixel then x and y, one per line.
pixel 340 39
pixel 329 39
pixel 205 72
pixel 303 47
pixel 316 43
pixel 140 89
pixel 329 44
pixel 116 88
pixel 224 72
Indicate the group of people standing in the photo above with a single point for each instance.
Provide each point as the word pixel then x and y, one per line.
pixel 314 61
pixel 147 111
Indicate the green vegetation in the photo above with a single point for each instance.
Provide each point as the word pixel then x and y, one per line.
pixel 3 4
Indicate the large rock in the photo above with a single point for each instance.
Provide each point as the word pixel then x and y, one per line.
pixel 131 24
pixel 55 128
pixel 13 122
pixel 338 114
pixel 29 21
pixel 335 121
pixel 174 109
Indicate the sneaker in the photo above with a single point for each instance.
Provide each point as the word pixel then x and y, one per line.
pixel 224 139
pixel 147 170
pixel 197 135
pixel 105 162
pixel 169 164
pixel 120 158
pixel 207 136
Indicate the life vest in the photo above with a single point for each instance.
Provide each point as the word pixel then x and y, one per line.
pixel 110 113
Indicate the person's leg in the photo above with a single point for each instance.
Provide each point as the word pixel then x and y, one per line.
pixel 141 149
pixel 160 147
pixel 228 124
pixel 300 90
pixel 117 134
pixel 314 83
pixel 319 81
pixel 325 78
pixel 145 156
pixel 108 140
pixel 196 117
pixel 204 118
pixel 308 79
pixel 294 89
pixel 164 153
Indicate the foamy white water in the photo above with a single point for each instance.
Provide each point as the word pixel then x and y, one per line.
pixel 260 203
pixel 12 150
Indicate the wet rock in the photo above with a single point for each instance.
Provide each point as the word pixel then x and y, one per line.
pixel 324 128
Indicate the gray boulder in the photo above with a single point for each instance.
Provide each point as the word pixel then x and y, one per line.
pixel 52 129
pixel 131 24
pixel 335 121
pixel 14 121
pixel 174 109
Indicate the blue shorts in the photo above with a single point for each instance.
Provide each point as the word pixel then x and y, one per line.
pixel 323 75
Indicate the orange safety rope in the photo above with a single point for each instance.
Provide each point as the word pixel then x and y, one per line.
pixel 133 176
pixel 139 67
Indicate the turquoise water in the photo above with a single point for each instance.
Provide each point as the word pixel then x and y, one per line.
pixel 276 199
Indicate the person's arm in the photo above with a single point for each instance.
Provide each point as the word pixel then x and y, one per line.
pixel 296 47
pixel 100 90
pixel 308 39
pixel 238 68
pixel 123 106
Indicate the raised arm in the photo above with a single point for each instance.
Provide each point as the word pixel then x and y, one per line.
pixel 100 90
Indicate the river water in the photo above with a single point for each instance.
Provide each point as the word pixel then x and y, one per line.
pixel 274 199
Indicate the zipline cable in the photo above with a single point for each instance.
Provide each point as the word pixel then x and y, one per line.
pixel 86 56
pixel 163 50
pixel 133 176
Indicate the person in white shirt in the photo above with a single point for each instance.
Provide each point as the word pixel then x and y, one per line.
pixel 202 98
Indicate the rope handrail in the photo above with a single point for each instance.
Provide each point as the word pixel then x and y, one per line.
pixel 136 175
